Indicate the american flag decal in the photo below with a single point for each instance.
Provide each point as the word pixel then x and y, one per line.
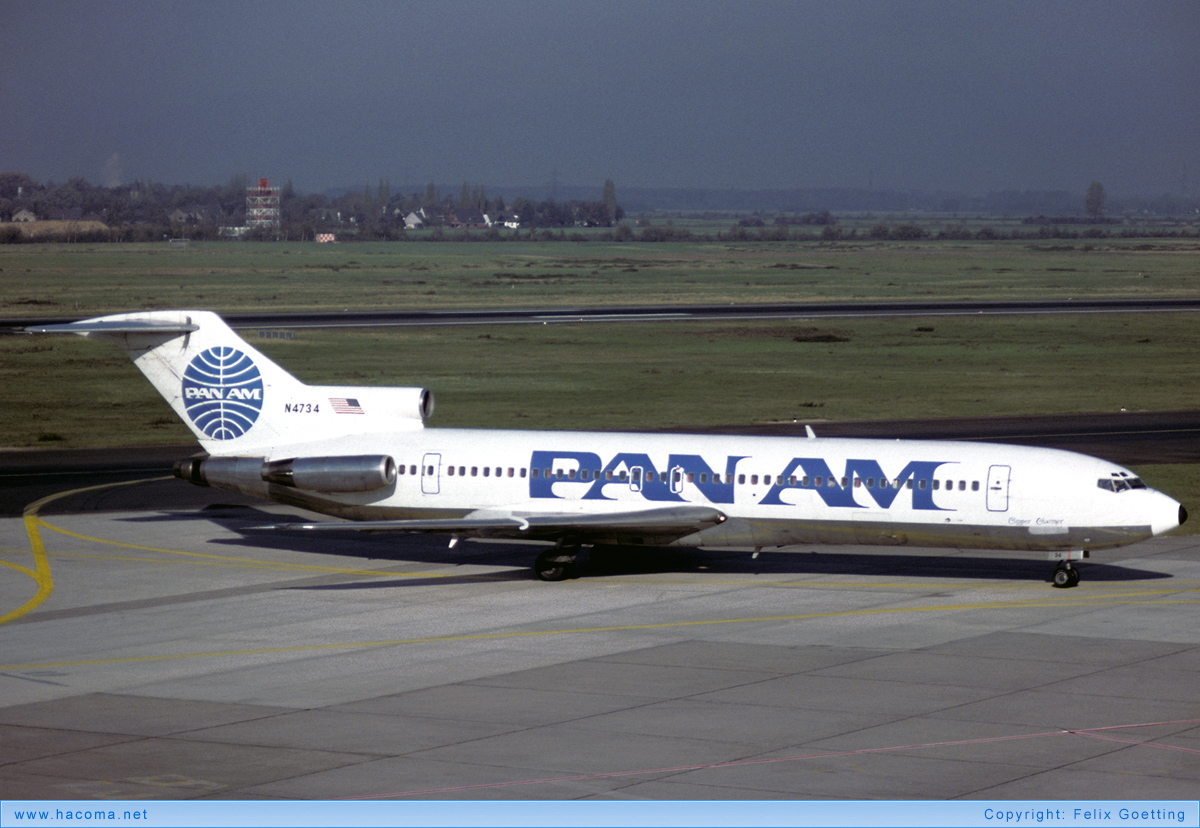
pixel 345 405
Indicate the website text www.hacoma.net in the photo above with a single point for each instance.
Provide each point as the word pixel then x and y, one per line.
pixel 79 814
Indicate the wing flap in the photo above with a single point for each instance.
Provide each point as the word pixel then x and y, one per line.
pixel 679 520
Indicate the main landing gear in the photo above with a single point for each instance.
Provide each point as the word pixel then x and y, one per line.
pixel 557 564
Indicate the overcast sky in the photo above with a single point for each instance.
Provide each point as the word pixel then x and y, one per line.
pixel 961 96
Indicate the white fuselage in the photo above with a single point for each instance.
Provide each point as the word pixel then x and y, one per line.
pixel 775 491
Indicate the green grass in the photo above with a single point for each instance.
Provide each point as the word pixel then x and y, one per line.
pixel 673 374
pixel 88 280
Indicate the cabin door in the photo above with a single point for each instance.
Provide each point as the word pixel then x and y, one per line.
pixel 997 488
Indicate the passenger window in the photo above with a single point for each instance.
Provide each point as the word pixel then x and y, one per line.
pixel 974 485
pixel 523 472
pixel 474 471
pixel 741 479
pixel 923 484
pixel 754 480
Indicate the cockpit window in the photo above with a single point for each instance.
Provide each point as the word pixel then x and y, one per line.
pixel 1120 483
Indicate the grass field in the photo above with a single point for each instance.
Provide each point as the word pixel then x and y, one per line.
pixel 94 279
pixel 673 374
pixel 68 392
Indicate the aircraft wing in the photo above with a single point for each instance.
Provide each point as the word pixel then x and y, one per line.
pixel 677 521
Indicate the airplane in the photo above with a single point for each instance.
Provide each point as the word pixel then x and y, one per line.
pixel 364 454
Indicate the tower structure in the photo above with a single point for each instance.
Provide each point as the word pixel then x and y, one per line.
pixel 262 205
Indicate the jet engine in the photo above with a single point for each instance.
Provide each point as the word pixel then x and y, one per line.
pixel 357 473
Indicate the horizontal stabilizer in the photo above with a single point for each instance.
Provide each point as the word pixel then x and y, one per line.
pixel 671 521
pixel 116 326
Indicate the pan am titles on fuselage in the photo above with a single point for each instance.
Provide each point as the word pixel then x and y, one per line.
pixel 364 454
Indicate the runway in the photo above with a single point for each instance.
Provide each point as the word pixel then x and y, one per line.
pixel 170 652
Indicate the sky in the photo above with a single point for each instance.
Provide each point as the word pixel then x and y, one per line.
pixel 964 97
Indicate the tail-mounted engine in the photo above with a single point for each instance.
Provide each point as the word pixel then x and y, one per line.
pixel 358 473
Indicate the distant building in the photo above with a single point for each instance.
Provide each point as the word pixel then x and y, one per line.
pixel 24 215
pixel 465 218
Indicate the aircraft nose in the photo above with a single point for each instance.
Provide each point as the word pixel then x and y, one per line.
pixel 1168 514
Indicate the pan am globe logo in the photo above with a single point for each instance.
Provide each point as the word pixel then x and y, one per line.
pixel 223 392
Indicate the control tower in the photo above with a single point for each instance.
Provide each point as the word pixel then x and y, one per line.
pixel 262 205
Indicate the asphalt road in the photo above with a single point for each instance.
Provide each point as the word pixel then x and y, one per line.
pixel 659 313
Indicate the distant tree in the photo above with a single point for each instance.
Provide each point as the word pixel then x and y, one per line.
pixel 14 184
pixel 1093 204
pixel 608 198
pixel 432 197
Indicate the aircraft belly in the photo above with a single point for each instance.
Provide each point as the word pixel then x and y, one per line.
pixel 767 532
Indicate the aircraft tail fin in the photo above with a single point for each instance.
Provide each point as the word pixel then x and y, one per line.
pixel 232 396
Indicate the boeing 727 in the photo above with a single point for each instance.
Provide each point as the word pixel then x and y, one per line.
pixel 365 454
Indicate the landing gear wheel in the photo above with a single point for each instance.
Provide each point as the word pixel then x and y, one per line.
pixel 555 564
pixel 1066 577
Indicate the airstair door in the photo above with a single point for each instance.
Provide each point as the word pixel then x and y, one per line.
pixel 997 488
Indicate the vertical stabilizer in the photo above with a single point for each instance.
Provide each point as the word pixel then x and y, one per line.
pixel 236 400
pixel 215 381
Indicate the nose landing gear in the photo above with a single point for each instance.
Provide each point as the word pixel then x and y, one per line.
pixel 1065 575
